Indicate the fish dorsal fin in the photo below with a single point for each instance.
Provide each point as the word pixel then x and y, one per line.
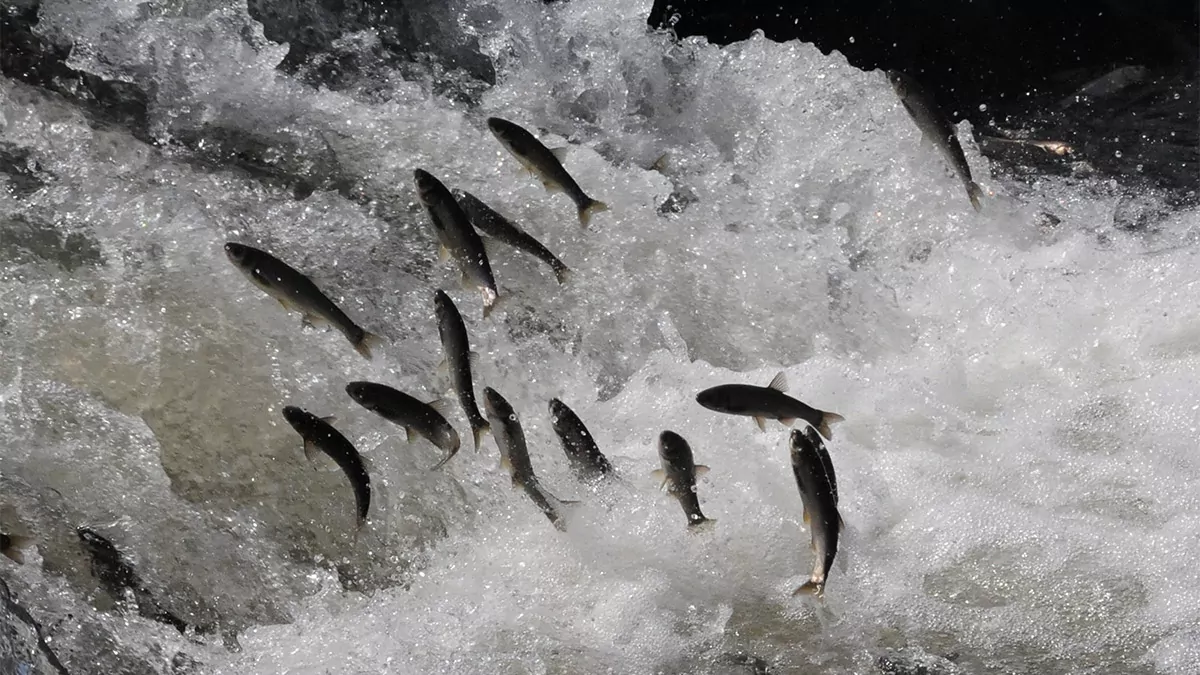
pixel 659 475
pixel 779 383
pixel 560 153
pixel 329 419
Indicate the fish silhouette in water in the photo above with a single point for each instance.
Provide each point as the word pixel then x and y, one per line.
pixel 116 576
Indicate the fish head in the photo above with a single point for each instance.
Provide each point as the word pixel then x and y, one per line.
pixel 496 405
pixel 900 82
pixel 502 129
pixel 297 417
pixel 239 254
pixel 715 398
pixel 673 449
pixel 360 392
pixel 443 305
pixel 557 409
pixel 428 187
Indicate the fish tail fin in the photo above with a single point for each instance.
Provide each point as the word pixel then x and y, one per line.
pixel 366 342
pixel 443 461
pixel 562 273
pixel 479 429
pixel 17 545
pixel 701 524
pixel 815 588
pixel 975 193
pixel 591 208
pixel 827 419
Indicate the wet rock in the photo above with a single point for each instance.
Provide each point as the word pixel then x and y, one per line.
pixel 27 238
pixel 914 661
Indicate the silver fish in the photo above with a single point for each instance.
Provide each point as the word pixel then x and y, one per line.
pixel 544 163
pixel 319 435
pixel 818 492
pixel 417 417
pixel 514 456
pixel 457 362
pixel 297 292
pixel 585 457
pixel 457 238
pixel 488 221
pixel 936 128
pixel 678 475
pixel 764 403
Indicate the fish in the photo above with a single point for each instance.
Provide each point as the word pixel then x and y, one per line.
pixel 584 455
pixel 514 456
pixel 546 164
pixel 764 403
pixel 936 128
pixel 457 238
pixel 116 576
pixel 488 221
pixel 818 492
pixel 319 435
pixel 458 362
pixel 678 475
pixel 13 546
pixel 417 418
pixel 297 292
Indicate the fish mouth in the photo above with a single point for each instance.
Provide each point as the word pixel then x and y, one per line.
pixel 235 252
pixel 293 414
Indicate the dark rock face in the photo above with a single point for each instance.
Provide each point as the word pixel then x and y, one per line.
pixel 1012 65
pixel 410 32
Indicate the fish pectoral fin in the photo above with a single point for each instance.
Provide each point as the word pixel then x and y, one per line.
pixel 329 419
pixel 779 382
pixel 815 588
pixel 787 421
pixel 443 252
pixel 762 423
pixel 551 186
pixel 441 406
pixel 560 153
pixel 662 163
pixel 410 434
pixel 284 304
pixel 805 515
pixel 314 321
pixel 473 358
pixel 701 470
pixel 311 451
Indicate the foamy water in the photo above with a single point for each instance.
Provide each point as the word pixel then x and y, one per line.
pixel 1017 465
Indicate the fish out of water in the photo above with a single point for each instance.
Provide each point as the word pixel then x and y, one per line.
pixel 585 457
pixel 936 128
pixel 678 475
pixel 457 238
pixel 417 417
pixel 458 362
pixel 13 546
pixel 116 576
pixel 544 163
pixel 320 436
pixel 818 492
pixel 514 456
pixel 763 403
pixel 488 221
pixel 297 292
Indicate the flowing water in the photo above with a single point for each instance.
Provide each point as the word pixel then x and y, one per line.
pixel 1017 466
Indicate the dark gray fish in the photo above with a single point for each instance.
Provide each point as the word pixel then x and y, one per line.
pixel 514 456
pixel 764 403
pixel 678 475
pixel 116 575
pixel 818 492
pixel 488 221
pixel 297 292
pixel 585 457
pixel 458 362
pixel 544 163
pixel 418 418
pixel 457 238
pixel 936 128
pixel 13 547
pixel 319 435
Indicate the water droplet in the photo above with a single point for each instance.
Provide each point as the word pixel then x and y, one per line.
pixel 1117 153
pixel 982 107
